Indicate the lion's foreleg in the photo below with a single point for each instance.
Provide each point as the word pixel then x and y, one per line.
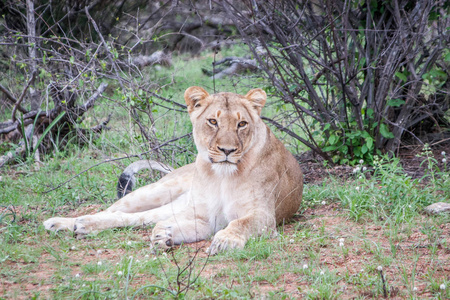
pixel 238 231
pixel 181 228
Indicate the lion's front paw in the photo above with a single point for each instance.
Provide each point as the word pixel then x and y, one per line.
pixel 84 225
pixel 57 224
pixel 224 240
pixel 162 238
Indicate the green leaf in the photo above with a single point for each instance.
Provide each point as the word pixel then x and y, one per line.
pixel 369 143
pixel 364 149
pixel 330 148
pixel 447 57
pixel 401 76
pixel 72 59
pixel 333 139
pixel 385 131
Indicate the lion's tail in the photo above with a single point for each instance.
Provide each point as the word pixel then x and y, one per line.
pixel 127 180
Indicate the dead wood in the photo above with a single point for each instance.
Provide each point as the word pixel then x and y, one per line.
pixel 34 124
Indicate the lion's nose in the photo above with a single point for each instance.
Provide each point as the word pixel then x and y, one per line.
pixel 226 151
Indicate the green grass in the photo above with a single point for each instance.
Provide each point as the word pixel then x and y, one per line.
pixel 344 230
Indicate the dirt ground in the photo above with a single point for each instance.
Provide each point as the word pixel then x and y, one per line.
pixel 416 252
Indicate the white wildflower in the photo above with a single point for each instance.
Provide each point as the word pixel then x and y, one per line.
pixel 324 202
pixel 99 252
pixel 364 169
pixel 165 254
pixel 322 272
pixel 77 275
pixel 120 273
pixel 361 161
pixel 129 243
pixel 138 261
pixel 444 160
pixel 380 268
pixel 341 244
pixel 443 153
pixel 99 263
pixel 356 170
pixel 146 256
pixel 305 266
pixel 442 286
pixel 362 271
pixel 291 241
pixel 73 248
pixel 415 289
pixel 341 240
pixel 357 188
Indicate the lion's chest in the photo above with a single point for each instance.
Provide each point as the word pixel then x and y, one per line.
pixel 223 199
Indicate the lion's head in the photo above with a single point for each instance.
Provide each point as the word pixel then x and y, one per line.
pixel 225 125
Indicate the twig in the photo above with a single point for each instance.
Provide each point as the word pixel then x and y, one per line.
pixel 22 96
pixel 12 99
pixel 385 293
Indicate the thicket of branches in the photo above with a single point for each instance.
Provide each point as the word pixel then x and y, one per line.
pixel 357 77
pixel 350 79
pixel 60 57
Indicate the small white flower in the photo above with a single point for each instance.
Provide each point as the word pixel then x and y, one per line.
pixel 364 169
pixel 361 161
pixel 380 268
pixel 138 261
pixel 322 272
pixel 99 263
pixel 415 289
pixel 129 243
pixel 165 254
pixel 117 263
pixel 77 275
pixel 130 257
pixel 99 252
pixel 356 170
pixel 341 244
pixel 154 258
pixel 444 160
pixel 73 248
pixel 83 285
pixel 341 240
pixel 291 241
pixel 357 188
pixel 362 271
pixel 442 286
pixel 324 202
pixel 410 206
pixel 443 153
pixel 146 256
pixel 305 266
pixel 119 273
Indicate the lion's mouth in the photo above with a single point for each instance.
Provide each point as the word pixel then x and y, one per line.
pixel 224 161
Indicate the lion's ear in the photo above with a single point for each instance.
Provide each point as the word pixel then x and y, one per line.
pixel 258 98
pixel 193 97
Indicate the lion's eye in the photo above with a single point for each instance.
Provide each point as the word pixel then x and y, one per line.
pixel 212 121
pixel 242 124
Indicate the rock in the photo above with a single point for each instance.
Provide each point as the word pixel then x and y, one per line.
pixel 438 208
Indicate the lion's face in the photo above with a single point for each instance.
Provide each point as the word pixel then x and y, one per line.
pixel 224 125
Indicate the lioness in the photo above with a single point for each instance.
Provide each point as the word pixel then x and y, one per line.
pixel 243 182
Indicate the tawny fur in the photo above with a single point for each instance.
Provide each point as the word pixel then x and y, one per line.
pixel 243 182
